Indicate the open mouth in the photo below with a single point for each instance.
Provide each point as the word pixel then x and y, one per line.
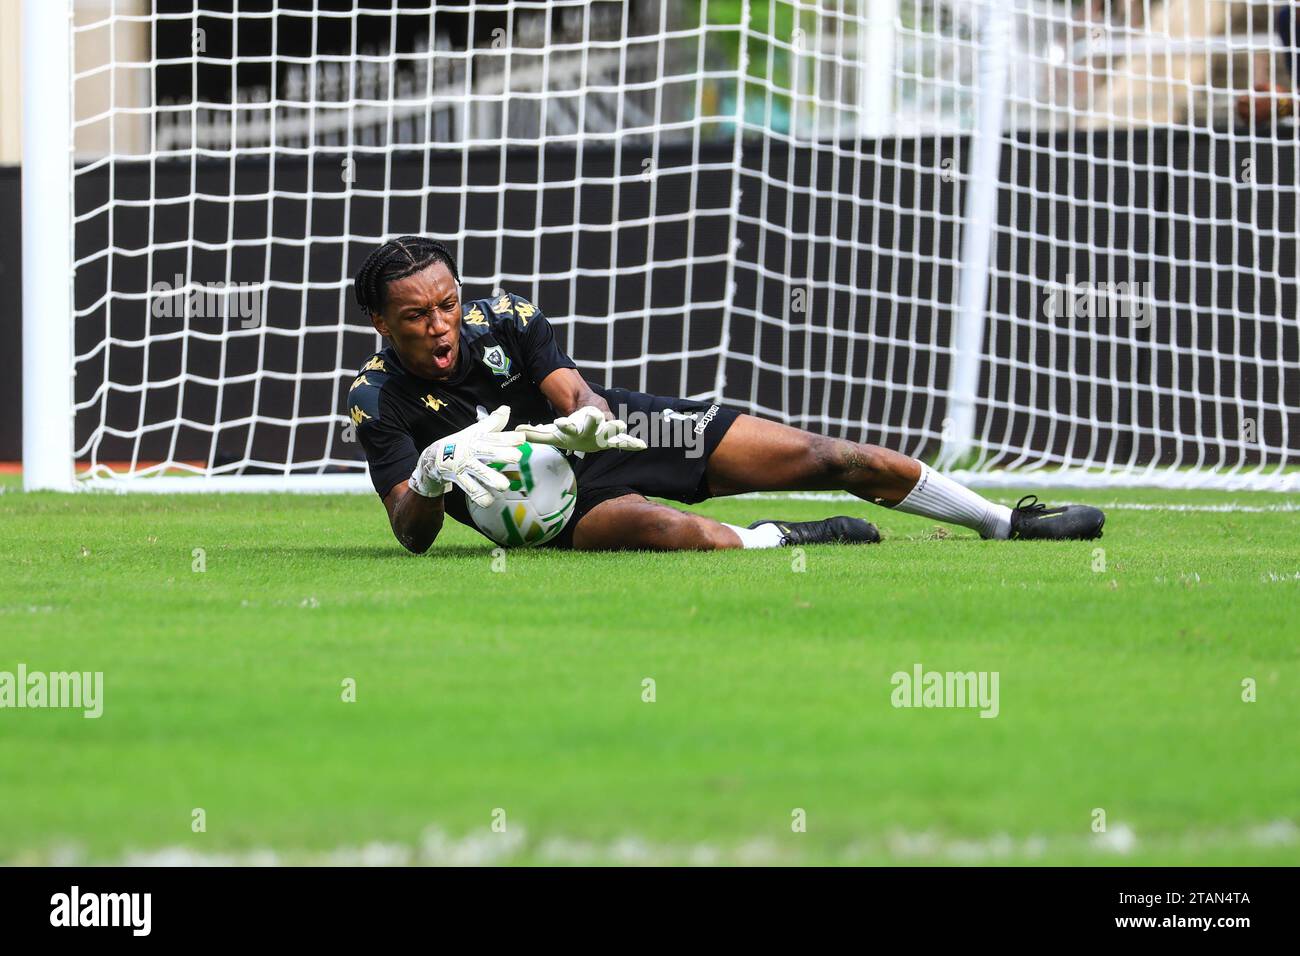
pixel 442 355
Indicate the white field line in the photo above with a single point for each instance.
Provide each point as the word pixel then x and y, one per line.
pixel 437 848
pixel 1281 506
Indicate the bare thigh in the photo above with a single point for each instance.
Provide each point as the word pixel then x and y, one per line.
pixel 761 455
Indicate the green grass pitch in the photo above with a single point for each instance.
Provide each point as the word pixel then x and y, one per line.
pixel 515 696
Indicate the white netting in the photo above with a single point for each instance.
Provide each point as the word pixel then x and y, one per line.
pixel 567 150
pixel 1020 235
pixel 1049 245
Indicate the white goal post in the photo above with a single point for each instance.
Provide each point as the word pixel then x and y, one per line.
pixel 1032 242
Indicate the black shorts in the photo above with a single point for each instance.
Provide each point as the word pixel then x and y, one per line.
pixel 672 466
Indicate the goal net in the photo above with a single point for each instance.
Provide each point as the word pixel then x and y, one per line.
pixel 1037 242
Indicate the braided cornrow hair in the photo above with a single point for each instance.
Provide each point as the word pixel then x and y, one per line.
pixel 397 259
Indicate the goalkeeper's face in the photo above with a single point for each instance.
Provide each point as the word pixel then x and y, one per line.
pixel 422 319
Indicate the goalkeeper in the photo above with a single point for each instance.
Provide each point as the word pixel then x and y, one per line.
pixel 461 385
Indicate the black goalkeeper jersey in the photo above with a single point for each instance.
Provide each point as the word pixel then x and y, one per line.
pixel 506 348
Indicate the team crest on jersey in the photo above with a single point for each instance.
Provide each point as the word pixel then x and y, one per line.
pixel 496 359
pixel 475 317
pixel 434 404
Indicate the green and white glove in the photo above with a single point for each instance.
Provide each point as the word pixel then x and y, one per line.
pixel 587 429
pixel 462 459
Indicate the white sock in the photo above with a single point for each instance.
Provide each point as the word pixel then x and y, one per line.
pixel 936 496
pixel 766 535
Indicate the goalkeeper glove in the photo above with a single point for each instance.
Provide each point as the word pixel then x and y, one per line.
pixel 460 459
pixel 587 429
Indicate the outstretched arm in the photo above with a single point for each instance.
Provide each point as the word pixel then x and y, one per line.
pixel 568 391
pixel 463 459
pixel 585 423
pixel 415 519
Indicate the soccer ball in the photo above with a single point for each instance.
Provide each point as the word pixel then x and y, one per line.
pixel 543 491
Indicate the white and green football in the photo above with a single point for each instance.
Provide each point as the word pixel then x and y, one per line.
pixel 543 491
